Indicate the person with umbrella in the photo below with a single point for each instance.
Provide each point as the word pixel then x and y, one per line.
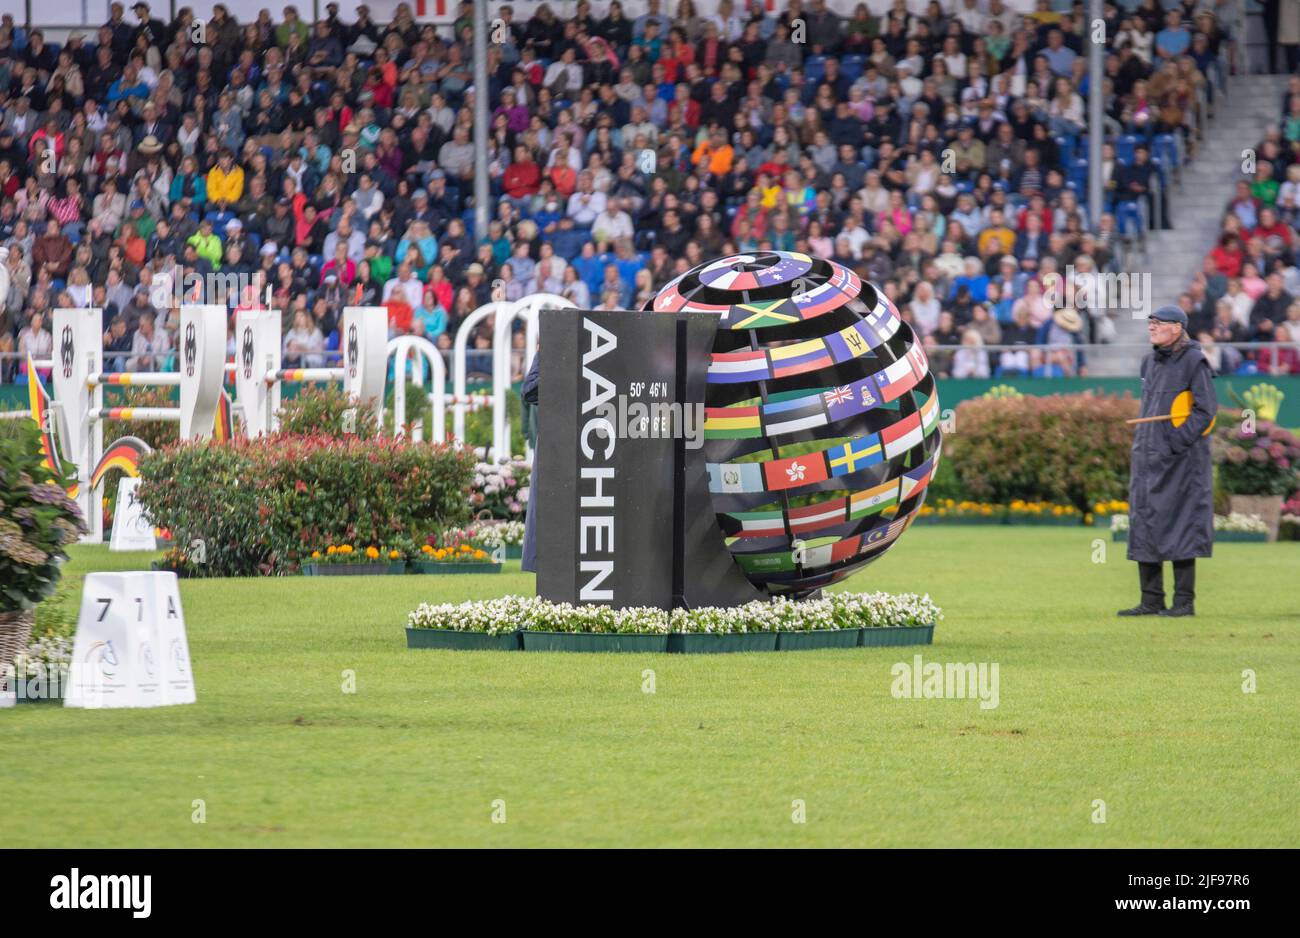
pixel 1171 500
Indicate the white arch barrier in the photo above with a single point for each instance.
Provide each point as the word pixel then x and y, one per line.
pixel 458 361
pixel 406 348
pixel 526 309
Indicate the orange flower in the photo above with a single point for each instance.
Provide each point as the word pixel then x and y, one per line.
pixel 394 554
pixel 315 554
pixel 372 553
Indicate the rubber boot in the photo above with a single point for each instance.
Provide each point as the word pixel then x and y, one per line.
pixel 1152 578
pixel 1184 589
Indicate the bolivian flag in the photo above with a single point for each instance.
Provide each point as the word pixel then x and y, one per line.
pixel 731 423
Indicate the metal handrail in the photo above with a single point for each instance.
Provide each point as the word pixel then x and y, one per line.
pixel 1109 346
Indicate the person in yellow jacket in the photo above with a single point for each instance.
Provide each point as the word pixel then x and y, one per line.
pixel 206 244
pixel 225 180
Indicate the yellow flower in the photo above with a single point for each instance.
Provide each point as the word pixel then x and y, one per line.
pixel 426 549
pixel 1087 519
pixel 479 555
pixel 372 553
pixel 464 548
pixel 315 554
pixel 394 554
pixel 345 549
pixel 331 550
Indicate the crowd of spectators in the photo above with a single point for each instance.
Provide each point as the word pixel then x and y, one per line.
pixel 332 163
pixel 1249 287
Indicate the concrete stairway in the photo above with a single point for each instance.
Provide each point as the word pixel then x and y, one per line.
pixel 1174 257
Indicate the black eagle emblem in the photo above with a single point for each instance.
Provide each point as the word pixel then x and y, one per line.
pixel 352 350
pixel 66 351
pixel 191 349
pixel 246 352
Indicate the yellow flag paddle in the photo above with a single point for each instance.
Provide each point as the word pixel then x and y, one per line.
pixel 1179 411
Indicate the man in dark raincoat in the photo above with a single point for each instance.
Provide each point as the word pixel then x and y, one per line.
pixel 1171 501
pixel 529 391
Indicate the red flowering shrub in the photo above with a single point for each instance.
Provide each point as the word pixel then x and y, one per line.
pixel 260 506
pixel 1070 449
pixel 1262 460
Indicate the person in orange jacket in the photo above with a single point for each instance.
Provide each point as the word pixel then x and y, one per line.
pixel 716 152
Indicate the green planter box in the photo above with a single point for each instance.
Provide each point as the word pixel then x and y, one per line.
pixel 434 568
pixel 377 568
pixel 462 641
pixel 1047 520
pixel 592 641
pixel 902 635
pixel 1119 536
pixel 818 638
pixel 694 643
pixel 514 552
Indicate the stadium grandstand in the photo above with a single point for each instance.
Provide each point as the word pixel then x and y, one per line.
pixel 322 157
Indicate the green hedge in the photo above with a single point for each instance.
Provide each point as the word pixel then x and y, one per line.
pixel 259 506
pixel 1067 449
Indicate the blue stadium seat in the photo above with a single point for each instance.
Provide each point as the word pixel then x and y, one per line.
pixel 1125 146
pixel 1128 216
pixel 1066 145
pixel 1079 173
pixel 852 66
pixel 814 68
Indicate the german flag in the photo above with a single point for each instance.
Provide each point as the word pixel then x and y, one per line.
pixel 38 402
pixel 123 454
pixel 224 429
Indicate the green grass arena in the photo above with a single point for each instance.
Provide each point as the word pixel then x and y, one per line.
pixel 1146 715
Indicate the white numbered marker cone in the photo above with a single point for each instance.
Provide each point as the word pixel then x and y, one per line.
pixel 130 649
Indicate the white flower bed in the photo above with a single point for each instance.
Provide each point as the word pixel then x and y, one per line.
pixel 835 611
pixel 1233 522
pixel 44 656
pixel 493 534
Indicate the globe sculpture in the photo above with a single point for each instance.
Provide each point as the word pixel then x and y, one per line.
pixel 821 426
